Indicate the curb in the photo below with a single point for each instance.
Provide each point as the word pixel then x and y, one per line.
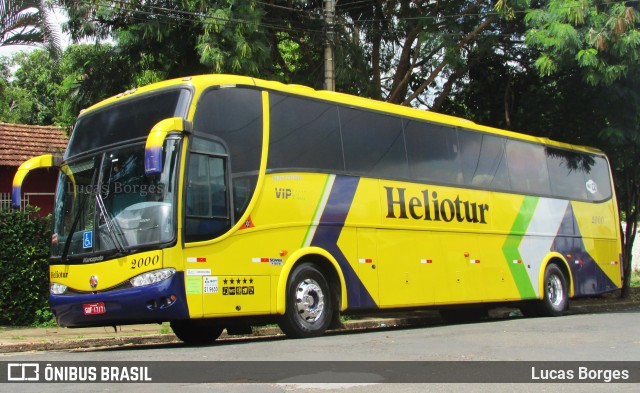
pixel 423 318
pixel 170 338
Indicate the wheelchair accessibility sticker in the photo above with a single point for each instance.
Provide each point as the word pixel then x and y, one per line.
pixel 87 239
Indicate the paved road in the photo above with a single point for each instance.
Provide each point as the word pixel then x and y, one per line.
pixel 580 338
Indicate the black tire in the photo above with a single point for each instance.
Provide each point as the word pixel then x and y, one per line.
pixel 196 332
pixel 555 301
pixel 556 292
pixel 309 304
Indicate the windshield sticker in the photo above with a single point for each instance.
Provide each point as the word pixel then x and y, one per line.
pixel 87 239
pixel 592 187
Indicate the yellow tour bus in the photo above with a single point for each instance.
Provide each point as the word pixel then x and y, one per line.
pixel 222 201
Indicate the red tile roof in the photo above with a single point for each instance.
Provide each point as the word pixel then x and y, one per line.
pixel 19 142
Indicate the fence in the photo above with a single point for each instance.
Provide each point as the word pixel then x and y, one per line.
pixel 5 199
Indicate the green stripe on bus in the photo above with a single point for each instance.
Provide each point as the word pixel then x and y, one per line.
pixel 316 214
pixel 511 244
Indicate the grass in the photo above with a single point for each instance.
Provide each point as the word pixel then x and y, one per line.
pixel 635 279
pixel 165 328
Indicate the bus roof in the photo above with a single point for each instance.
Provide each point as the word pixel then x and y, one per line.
pixel 201 82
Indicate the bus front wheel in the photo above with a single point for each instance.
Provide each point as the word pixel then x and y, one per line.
pixel 309 305
pixel 197 332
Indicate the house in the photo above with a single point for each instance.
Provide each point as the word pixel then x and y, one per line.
pixel 18 143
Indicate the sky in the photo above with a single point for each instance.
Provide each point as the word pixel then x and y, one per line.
pixel 11 49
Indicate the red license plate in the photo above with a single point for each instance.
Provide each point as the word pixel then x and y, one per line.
pixel 94 308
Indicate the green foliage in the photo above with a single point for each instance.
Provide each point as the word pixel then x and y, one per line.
pixel 232 42
pixel 603 45
pixel 635 279
pixel 587 57
pixel 17 105
pixel 91 74
pixel 397 51
pixel 546 65
pixel 24 249
pixel 26 22
pixel 31 95
pixel 603 38
pixel 45 92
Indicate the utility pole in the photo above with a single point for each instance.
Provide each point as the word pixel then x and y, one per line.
pixel 329 46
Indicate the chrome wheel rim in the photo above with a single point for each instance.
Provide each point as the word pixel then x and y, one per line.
pixel 309 300
pixel 555 291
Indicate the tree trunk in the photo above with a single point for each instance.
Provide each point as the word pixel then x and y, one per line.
pixel 632 204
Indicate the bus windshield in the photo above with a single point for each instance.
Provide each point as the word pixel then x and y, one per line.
pixel 105 204
pixel 125 120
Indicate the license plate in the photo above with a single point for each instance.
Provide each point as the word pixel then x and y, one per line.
pixel 94 308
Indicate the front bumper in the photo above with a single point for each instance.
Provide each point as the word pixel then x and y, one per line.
pixel 148 304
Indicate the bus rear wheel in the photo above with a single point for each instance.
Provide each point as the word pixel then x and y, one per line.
pixel 309 304
pixel 197 332
pixel 555 301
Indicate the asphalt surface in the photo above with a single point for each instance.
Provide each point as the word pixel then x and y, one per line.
pixel 23 339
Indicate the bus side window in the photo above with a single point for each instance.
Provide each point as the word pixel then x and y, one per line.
pixel 598 179
pixel 433 152
pixel 566 173
pixel 527 168
pixel 304 134
pixel 483 162
pixel 373 144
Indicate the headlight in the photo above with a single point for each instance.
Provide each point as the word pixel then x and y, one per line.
pixel 57 288
pixel 153 277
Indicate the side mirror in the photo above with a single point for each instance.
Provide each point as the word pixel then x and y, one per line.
pixel 155 140
pixel 44 161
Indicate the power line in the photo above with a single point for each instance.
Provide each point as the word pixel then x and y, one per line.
pixel 201 18
pixel 191 18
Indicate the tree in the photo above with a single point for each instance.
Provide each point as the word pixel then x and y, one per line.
pixel 91 73
pixel 41 91
pixel 28 22
pixel 419 51
pixel 603 40
pixel 157 36
pixel 22 95
pixel 407 51
pixel 31 95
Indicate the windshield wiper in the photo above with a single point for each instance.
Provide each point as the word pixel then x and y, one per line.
pixel 115 233
pixel 72 230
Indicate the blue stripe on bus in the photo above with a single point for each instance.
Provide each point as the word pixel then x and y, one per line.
pixel 328 233
pixel 588 276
